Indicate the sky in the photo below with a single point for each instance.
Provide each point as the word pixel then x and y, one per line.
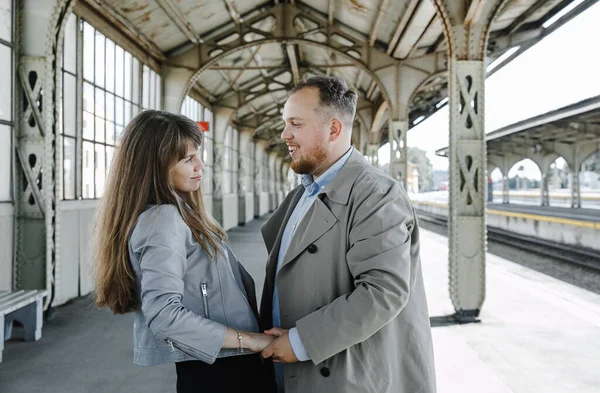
pixel 561 69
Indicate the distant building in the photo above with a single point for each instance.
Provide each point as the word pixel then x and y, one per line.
pixel 412 181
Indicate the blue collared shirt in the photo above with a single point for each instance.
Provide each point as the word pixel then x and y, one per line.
pixel 311 190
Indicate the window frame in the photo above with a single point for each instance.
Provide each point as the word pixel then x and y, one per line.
pixel 10 124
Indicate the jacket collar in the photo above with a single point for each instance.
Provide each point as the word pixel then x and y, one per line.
pixel 339 189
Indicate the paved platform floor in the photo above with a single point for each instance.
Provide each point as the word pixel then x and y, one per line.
pixel 537 334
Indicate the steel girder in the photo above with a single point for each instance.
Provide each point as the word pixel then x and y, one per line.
pixel 37 219
pixel 245 35
pixel 466 28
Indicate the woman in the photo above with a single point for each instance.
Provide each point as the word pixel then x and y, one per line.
pixel 160 255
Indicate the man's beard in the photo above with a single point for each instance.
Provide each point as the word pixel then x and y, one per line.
pixel 308 165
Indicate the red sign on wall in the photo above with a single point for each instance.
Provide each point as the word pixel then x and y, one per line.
pixel 203 125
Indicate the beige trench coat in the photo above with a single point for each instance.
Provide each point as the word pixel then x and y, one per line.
pixel 351 282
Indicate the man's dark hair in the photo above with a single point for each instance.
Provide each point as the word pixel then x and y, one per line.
pixel 335 96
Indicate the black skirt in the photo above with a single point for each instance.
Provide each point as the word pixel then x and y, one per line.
pixel 243 373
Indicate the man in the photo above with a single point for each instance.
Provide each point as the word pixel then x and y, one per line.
pixel 344 289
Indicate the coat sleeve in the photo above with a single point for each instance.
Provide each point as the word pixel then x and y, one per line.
pixel 160 240
pixel 379 259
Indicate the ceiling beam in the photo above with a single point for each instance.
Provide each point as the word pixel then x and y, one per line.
pixel 179 19
pixel 402 24
pixel 243 68
pixel 104 11
pixel 514 26
pixel 291 54
pixel 331 12
pixel 375 28
pixel 279 67
pixel 233 12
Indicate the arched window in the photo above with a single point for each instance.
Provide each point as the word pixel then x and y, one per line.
pixel 111 97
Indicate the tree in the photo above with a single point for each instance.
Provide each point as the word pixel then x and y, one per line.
pixel 424 167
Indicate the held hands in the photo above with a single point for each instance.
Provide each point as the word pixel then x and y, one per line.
pixel 258 341
pixel 280 350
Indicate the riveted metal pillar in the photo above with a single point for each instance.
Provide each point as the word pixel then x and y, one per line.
pixel 245 190
pixel 466 28
pixel 575 189
pixel 221 120
pixel 467 235
pixel 271 165
pixel 279 192
pixel 40 27
pixel 398 150
pixel 373 154
pixel 545 193
pixel 505 195
pixel 261 178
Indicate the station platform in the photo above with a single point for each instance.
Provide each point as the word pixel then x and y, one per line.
pixel 579 228
pixel 536 334
pixel 583 214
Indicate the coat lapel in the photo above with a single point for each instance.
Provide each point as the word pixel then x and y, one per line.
pixel 317 221
pixel 272 232
pixel 272 229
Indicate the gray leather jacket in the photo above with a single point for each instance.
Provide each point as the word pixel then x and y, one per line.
pixel 188 299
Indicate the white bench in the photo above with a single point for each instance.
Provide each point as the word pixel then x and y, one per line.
pixel 25 306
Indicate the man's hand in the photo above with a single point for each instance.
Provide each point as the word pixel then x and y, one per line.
pixel 280 350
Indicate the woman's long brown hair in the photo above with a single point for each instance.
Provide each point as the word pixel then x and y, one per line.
pixel 140 175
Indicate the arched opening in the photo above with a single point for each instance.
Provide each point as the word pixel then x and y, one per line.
pixel 524 183
pixel 559 183
pixel 495 179
pixel 589 181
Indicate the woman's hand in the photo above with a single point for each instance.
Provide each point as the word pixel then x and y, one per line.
pixel 258 341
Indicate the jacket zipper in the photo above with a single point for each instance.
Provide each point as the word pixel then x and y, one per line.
pixel 204 289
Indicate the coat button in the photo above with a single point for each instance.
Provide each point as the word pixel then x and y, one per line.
pixel 325 372
pixel 312 249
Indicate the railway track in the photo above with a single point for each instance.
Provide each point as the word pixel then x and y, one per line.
pixel 569 254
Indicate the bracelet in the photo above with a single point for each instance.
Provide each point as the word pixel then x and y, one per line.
pixel 239 336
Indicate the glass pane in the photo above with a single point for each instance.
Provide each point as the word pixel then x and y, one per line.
pixel 70 48
pixel 127 116
pixel 99 129
pixel 146 87
pixel 5 83
pixel 119 111
pixel 127 77
pixel 110 152
pixel 135 81
pixel 110 65
pixel 5 162
pixel 87 172
pixel 119 71
pixel 88 126
pixel 110 132
pixel 6 20
pixel 135 110
pixel 100 166
pixel 100 49
pixel 99 107
pixel 69 109
pixel 88 97
pixel 158 92
pixel 69 168
pixel 88 52
pixel 118 131
pixel 110 107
